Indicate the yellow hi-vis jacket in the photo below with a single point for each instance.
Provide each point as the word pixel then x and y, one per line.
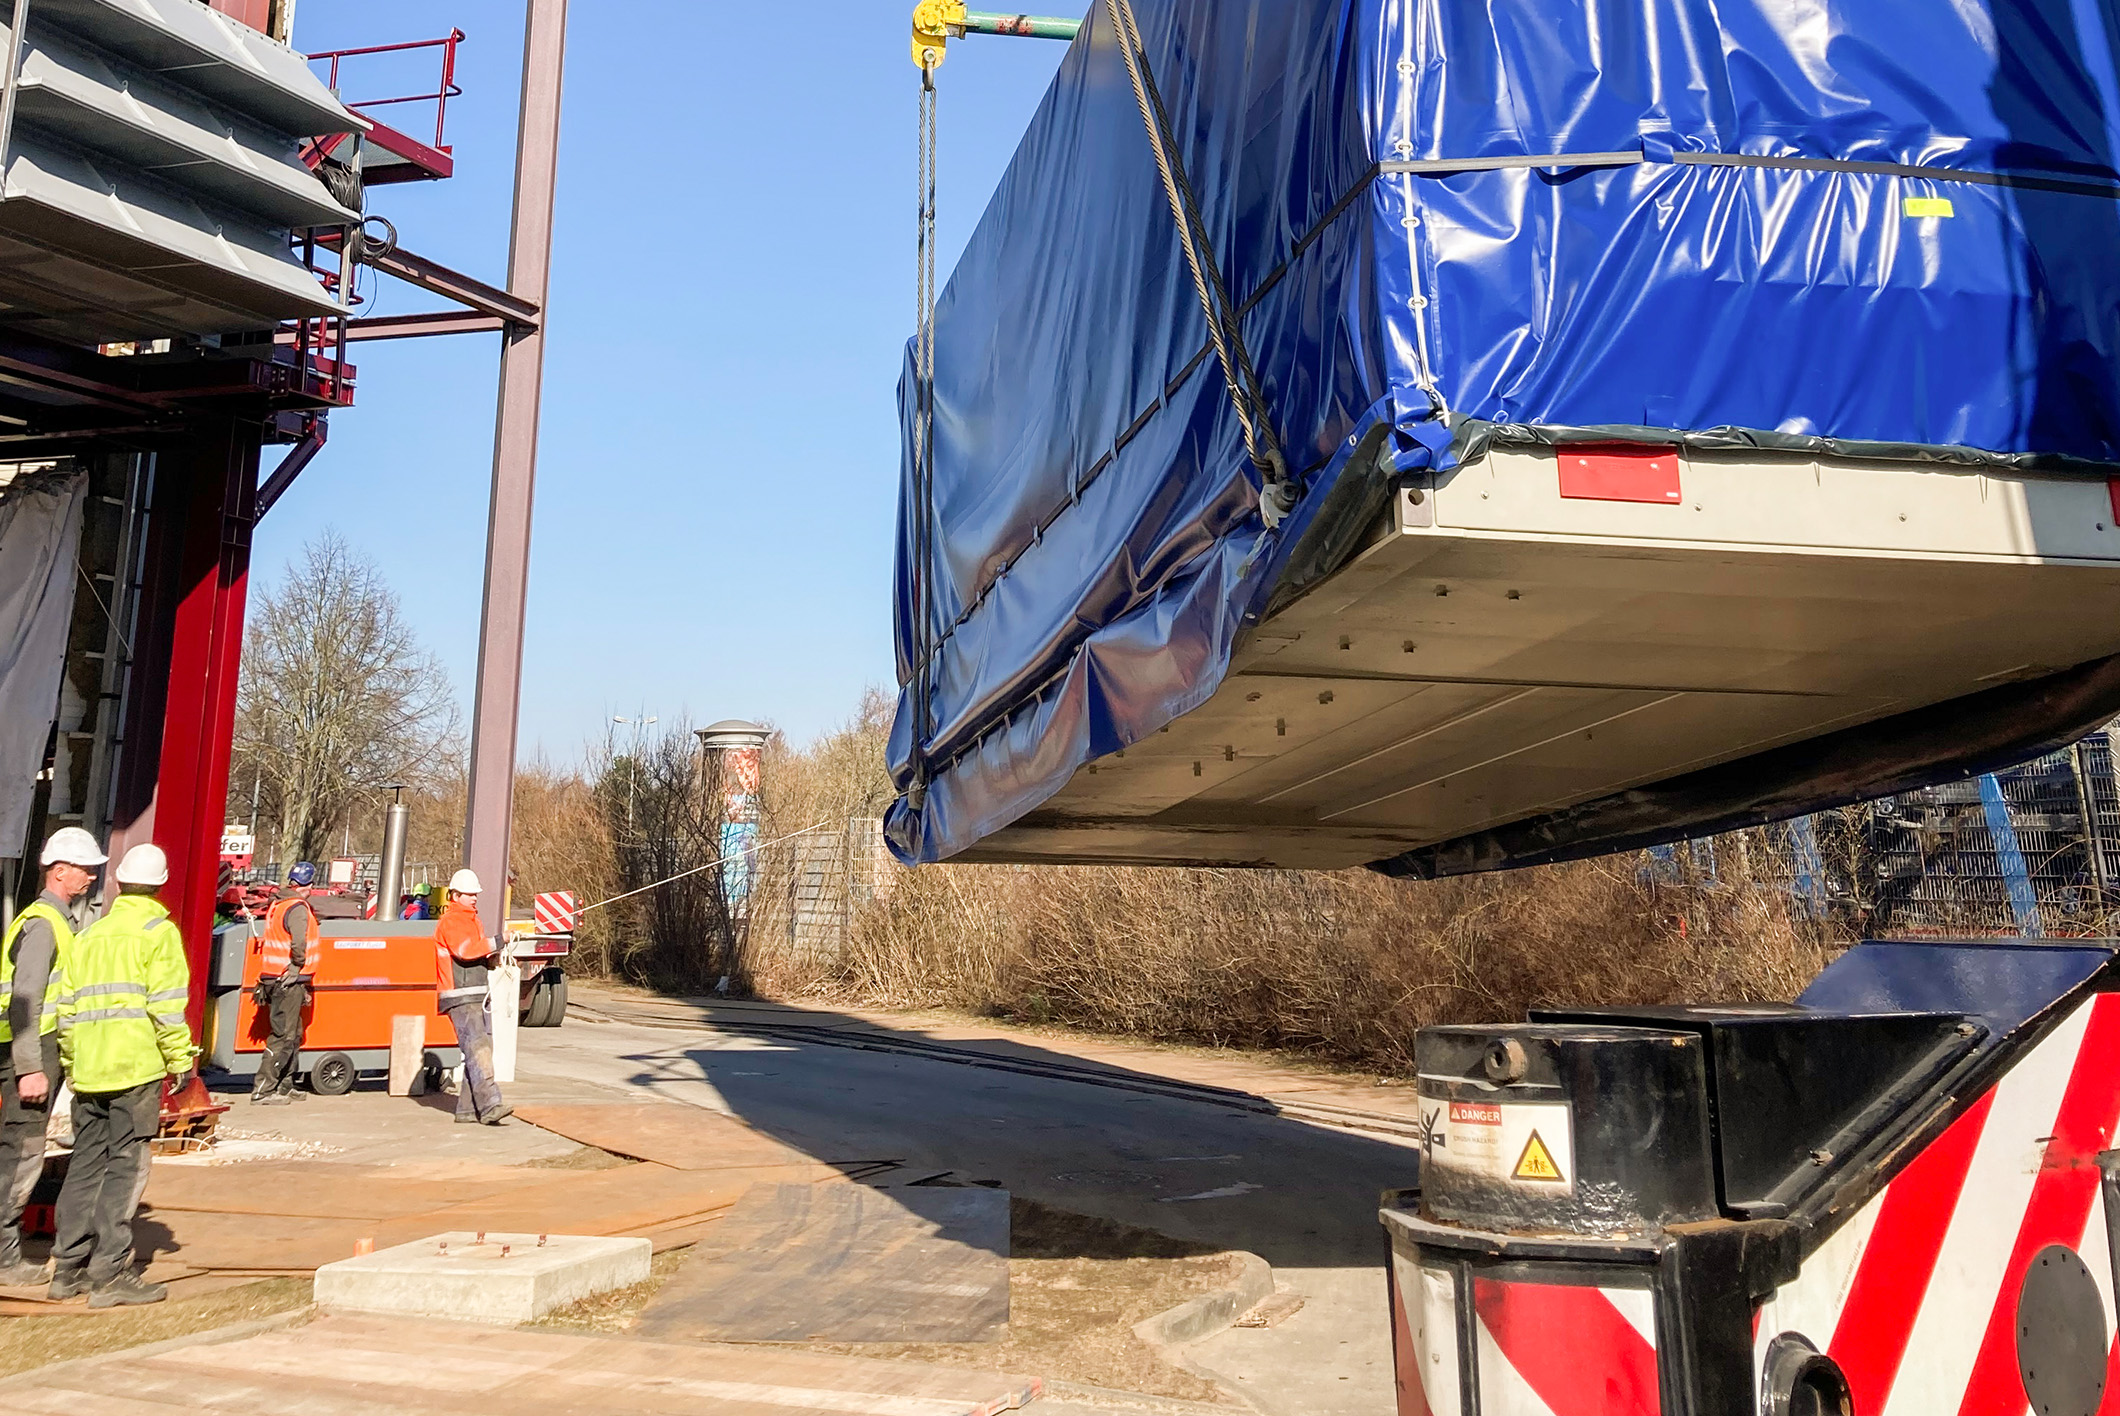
pixel 121 1011
pixel 63 938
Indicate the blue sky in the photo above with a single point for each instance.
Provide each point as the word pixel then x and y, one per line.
pixel 732 290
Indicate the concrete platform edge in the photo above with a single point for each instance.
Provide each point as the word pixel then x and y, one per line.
pixel 1211 1312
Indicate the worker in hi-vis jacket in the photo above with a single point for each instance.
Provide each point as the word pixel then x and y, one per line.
pixel 464 957
pixel 286 961
pixel 121 1034
pixel 32 975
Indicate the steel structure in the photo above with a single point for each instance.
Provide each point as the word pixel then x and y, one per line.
pixel 175 306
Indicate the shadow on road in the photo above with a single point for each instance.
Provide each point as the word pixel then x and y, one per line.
pixel 1209 1165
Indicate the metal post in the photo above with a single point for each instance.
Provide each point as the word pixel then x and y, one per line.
pixel 17 24
pixel 2009 858
pixel 490 810
pixel 390 871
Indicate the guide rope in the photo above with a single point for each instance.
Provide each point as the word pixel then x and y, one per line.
pixel 1277 494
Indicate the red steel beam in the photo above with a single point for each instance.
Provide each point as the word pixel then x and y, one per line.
pixel 489 813
pixel 438 279
pixel 426 323
pixel 204 505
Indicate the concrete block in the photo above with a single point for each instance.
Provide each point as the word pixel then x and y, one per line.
pixel 483 1278
pixel 408 1051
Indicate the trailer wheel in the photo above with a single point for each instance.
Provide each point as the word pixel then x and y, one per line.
pixel 548 1001
pixel 332 1075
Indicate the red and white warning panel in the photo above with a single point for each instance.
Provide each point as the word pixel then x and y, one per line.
pixel 1896 1197
pixel 556 912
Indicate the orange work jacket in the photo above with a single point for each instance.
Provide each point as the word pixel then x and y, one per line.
pixel 276 954
pixel 462 956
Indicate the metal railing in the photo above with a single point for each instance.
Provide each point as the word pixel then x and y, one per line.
pixel 443 91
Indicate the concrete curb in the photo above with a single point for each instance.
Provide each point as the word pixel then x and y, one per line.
pixel 1211 1312
pixel 234 1332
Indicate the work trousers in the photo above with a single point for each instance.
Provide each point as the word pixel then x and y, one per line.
pixel 22 1130
pixel 283 1011
pixel 105 1179
pixel 478 1094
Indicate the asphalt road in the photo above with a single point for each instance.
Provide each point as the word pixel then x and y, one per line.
pixel 1301 1196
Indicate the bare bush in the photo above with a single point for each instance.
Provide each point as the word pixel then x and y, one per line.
pixel 336 699
pixel 1346 965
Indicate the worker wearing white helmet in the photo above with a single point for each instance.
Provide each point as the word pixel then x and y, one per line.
pixel 121 1032
pixel 31 973
pixel 463 959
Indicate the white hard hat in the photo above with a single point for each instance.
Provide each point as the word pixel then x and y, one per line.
pixel 144 865
pixel 463 883
pixel 70 845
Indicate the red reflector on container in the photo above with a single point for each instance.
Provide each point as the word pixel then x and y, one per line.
pixel 1627 474
pixel 2112 492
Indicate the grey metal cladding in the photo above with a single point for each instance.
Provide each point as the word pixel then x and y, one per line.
pixel 98 212
pixel 99 103
pixel 154 174
pixel 211 54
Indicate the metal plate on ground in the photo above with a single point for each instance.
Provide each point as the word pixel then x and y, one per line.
pixel 845 1263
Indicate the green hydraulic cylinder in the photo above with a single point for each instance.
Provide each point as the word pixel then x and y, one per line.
pixel 1027 26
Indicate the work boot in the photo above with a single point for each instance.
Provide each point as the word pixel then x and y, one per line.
pixel 24 1274
pixel 71 1283
pixel 466 1118
pixel 497 1115
pixel 270 1099
pixel 126 1289
pixel 290 1094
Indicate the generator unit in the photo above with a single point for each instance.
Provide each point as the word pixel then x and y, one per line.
pixel 1896 1195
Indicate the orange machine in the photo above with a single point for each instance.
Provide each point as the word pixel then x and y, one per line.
pixel 367 972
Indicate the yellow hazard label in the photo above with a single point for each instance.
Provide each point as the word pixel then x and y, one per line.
pixel 1928 206
pixel 1536 1163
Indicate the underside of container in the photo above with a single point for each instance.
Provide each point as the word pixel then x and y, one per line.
pixel 1499 652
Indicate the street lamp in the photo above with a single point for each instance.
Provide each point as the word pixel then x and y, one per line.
pixel 639 725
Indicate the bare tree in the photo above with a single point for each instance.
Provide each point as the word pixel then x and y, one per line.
pixel 337 697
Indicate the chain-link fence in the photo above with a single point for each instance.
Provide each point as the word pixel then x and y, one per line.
pixel 2033 850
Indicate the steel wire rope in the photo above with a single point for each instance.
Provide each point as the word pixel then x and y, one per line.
pixel 923 510
pixel 718 860
pixel 1224 325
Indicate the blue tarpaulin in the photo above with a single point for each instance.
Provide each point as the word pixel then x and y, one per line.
pixel 1881 227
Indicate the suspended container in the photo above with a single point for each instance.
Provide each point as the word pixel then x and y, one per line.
pixel 1673 444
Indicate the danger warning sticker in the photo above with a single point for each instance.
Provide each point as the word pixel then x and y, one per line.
pixel 1537 1162
pixel 1522 1143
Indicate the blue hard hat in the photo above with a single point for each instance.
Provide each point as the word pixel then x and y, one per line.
pixel 302 873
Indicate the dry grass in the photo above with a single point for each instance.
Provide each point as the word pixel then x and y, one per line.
pixel 616 1310
pixel 31 1342
pixel 1345 966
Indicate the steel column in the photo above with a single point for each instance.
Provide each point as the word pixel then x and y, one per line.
pixel 204 503
pixel 490 811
